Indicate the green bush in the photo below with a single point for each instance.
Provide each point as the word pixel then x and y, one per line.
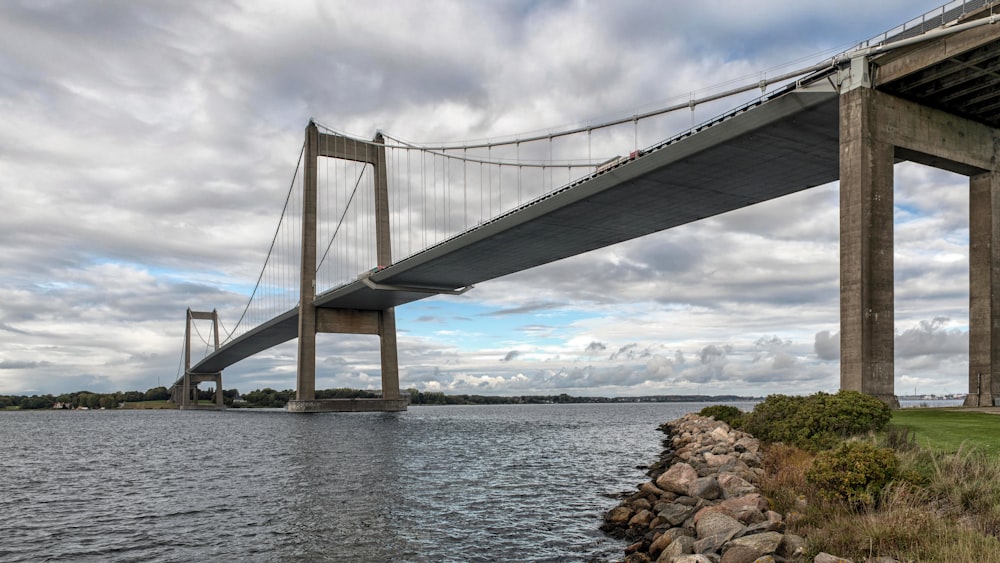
pixel 724 413
pixel 855 472
pixel 816 422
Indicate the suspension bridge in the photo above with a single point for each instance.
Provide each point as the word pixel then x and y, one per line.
pixel 370 225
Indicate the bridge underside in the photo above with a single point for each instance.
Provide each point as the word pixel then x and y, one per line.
pixel 798 138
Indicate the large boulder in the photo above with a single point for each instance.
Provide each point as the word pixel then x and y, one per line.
pixel 706 488
pixel 765 543
pixel 748 509
pixel 677 479
pixel 717 524
pixel 678 547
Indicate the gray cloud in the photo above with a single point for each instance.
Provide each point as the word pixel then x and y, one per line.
pixel 510 356
pixel 827 346
pixel 932 338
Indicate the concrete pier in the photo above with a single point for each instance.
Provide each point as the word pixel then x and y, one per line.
pixel 878 129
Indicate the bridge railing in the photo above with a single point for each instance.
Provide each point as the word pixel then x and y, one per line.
pixel 933 19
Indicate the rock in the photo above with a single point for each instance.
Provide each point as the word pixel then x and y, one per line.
pixel 651 490
pixel 773 523
pixel 641 504
pixel 748 508
pixel 711 544
pixel 717 524
pixel 706 488
pixel 695 558
pixel 733 485
pixel 637 558
pixel 660 543
pixel 740 554
pixel 747 444
pixel 641 519
pixel 633 548
pixel 718 460
pixel 824 557
pixel 619 515
pixel 678 547
pixel 659 523
pixel 792 546
pixel 663 540
pixel 686 501
pixel 676 514
pixel 765 559
pixel 677 479
pixel 765 543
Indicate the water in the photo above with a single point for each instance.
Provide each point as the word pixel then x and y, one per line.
pixel 476 483
pixel 936 403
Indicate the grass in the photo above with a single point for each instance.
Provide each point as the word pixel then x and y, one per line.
pixel 949 430
pixel 945 507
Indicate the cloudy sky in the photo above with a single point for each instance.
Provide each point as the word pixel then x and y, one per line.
pixel 146 149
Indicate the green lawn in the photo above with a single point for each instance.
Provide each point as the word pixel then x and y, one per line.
pixel 948 429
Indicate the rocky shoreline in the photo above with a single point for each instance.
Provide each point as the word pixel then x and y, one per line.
pixel 702 504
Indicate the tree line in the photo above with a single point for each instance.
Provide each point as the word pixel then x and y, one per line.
pixel 271 398
pixel 82 399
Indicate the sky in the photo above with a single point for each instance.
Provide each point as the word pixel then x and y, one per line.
pixel 146 150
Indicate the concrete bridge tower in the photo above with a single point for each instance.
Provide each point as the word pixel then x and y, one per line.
pixel 312 319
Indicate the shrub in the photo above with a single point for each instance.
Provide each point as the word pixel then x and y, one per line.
pixel 818 421
pixel 855 472
pixel 724 413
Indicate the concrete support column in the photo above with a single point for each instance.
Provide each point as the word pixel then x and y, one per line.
pixel 984 289
pixel 383 247
pixel 306 373
pixel 390 357
pixel 218 390
pixel 866 250
pixel 186 378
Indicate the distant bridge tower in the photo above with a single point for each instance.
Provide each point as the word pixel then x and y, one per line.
pixel 186 393
pixel 312 319
pixel 877 128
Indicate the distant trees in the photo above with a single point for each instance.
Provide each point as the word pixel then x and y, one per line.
pixel 81 399
pixel 157 394
pixel 271 398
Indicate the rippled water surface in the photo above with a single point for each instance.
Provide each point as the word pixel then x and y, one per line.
pixel 477 483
